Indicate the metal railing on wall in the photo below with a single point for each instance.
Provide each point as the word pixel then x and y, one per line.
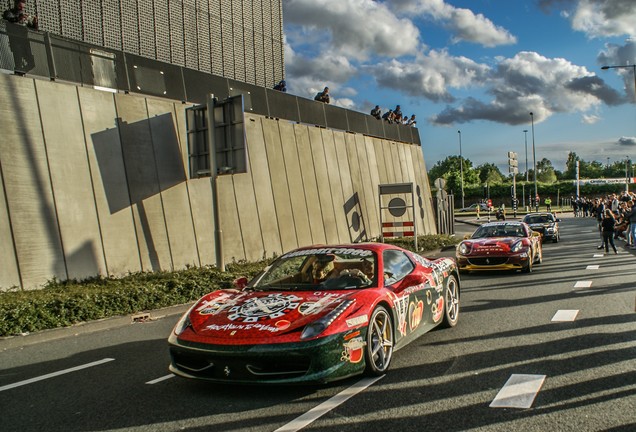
pixel 43 54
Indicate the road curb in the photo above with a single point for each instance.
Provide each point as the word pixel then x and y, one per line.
pixel 10 342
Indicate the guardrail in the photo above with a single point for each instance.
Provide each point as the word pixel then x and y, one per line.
pixel 43 54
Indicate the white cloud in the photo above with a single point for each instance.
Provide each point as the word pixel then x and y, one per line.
pixel 598 18
pixel 463 23
pixel 430 75
pixel 590 118
pixel 529 82
pixel 354 28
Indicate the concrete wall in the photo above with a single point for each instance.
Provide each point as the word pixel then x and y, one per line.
pixel 95 183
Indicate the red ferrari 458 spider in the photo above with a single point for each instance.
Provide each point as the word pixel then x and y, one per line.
pixel 316 314
pixel 506 245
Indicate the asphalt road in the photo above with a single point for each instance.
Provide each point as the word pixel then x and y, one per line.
pixel 112 377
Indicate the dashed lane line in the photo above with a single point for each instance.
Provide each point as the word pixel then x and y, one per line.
pixel 519 391
pixel 163 378
pixel 322 409
pixel 583 284
pixel 598 255
pixel 54 374
pixel 564 315
pixel 592 267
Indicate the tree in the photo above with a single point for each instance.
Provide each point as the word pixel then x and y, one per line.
pixel 490 173
pixel 449 169
pixel 545 171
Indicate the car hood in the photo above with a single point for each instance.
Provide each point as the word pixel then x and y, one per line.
pixel 493 244
pixel 229 314
pixel 542 225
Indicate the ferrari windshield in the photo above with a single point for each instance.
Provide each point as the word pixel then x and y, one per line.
pixel 320 268
pixel 499 230
pixel 538 219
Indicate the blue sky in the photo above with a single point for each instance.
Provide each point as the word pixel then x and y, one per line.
pixel 480 67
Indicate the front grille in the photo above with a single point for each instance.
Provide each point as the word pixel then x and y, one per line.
pixel 244 368
pixel 489 261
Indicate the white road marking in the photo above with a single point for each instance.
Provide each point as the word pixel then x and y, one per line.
pixel 518 392
pixel 163 378
pixel 583 284
pixel 565 315
pixel 598 255
pixel 322 409
pixel 54 374
pixel 592 267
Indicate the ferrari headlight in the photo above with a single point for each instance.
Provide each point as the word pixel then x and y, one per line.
pixel 517 247
pixel 464 248
pixel 318 326
pixel 183 323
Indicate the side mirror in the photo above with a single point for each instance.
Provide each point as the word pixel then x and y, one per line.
pixel 412 279
pixel 240 283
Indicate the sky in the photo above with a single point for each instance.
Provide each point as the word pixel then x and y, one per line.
pixel 478 67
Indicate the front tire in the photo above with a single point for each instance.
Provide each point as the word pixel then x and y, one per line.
pixel 379 348
pixel 451 305
pixel 528 268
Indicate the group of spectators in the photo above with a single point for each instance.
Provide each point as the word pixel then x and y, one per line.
pixel 393 116
pixel 616 217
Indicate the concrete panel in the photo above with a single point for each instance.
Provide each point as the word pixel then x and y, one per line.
pixel 280 188
pixel 28 189
pixel 233 249
pixel 369 193
pixel 248 216
pixel 294 180
pixel 9 276
pixel 200 191
pixel 388 162
pixel 356 205
pixel 110 190
pixel 71 179
pixel 262 185
pixel 395 160
pixel 426 210
pixel 312 199
pixel 143 183
pixel 378 145
pixel 335 183
pixel 172 183
pixel 322 181
pixel 374 172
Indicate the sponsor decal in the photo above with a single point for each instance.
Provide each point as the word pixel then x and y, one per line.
pixel 263 308
pixel 438 309
pixel 401 307
pixel 330 251
pixel 415 314
pixel 353 350
pixel 429 297
pixel 242 327
pixel 352 335
pixel 313 307
pixel 353 322
pixel 282 324
pixel 219 304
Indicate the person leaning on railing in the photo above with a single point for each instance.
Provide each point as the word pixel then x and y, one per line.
pixel 18 15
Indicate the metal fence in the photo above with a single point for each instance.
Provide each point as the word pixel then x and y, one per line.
pixel 46 55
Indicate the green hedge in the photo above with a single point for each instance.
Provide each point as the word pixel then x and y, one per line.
pixel 61 304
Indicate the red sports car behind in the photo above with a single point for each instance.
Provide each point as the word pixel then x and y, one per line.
pixel 506 245
pixel 316 314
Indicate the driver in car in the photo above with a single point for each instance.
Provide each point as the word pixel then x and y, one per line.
pixel 323 269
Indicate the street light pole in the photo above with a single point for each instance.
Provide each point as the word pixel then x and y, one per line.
pixel 461 166
pixel 525 136
pixel 633 66
pixel 534 162
pixel 627 173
